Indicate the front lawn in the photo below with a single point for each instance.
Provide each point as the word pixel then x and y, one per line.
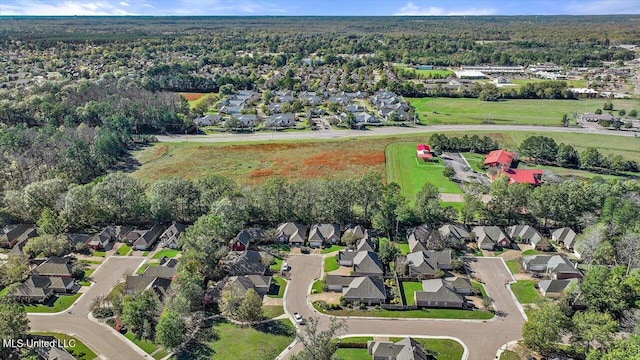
pixel 514 266
pixel 531 252
pixel 87 274
pixel 276 265
pixel 422 313
pixel 80 351
pixel 509 355
pixel 124 250
pixel 250 343
pixel 405 169
pixel 170 253
pixel 95 262
pixel 318 286
pixel 146 345
pixel 99 253
pixel 410 287
pixel 54 305
pixel 525 292
pixel 332 248
pixel 352 354
pixel 444 349
pixel 331 263
pixel 478 286
pixel 277 287
pixel 272 311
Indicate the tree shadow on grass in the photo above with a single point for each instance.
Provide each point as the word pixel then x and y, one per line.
pixel 280 328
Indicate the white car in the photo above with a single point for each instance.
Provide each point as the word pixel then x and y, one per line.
pixel 285 267
pixel 298 318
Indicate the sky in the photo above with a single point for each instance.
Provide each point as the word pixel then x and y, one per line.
pixel 318 7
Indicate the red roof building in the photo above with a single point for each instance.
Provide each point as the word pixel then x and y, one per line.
pixel 523 176
pixel 424 152
pixel 499 158
pixel 423 147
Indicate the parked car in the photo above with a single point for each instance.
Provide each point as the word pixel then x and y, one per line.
pixel 285 266
pixel 299 319
pixel 305 250
pixel 536 275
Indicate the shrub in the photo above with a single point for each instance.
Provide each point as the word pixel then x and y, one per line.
pixel 343 301
pixel 103 312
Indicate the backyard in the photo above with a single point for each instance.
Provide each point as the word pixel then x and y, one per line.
pixel 410 287
pixel 525 291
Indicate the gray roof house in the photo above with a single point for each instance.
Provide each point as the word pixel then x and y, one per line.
pixel 358 232
pixel 437 293
pixel 136 284
pixel 405 349
pixel 557 266
pixel 416 245
pixel 337 282
pixel 166 269
pixel 428 237
pixel 208 120
pixel 39 288
pixel 426 263
pixel 259 283
pixel 108 235
pixel 566 236
pixel 554 288
pixel 55 266
pixel 246 120
pixel 293 233
pixel 455 234
pixel 528 235
pixel 280 121
pixel 324 234
pixel 367 263
pixel 169 238
pixel 345 258
pixel 491 237
pixel 247 262
pixel 246 237
pixel 145 239
pixel 461 285
pixel 366 289
pixel 365 118
pixel 13 234
pixel 365 244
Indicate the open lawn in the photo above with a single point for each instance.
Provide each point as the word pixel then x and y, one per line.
pixel 422 314
pixel 170 253
pixel 515 266
pixel 508 112
pixel 99 253
pixel 278 285
pixel 425 73
pixel 124 249
pixel 475 160
pixel 80 351
pixel 405 169
pixel 509 355
pixel 525 292
pixel 332 248
pixel 575 174
pixel 56 304
pixel 571 83
pixel 331 263
pixel 352 354
pixel 251 343
pixel 276 265
pixel 146 345
pixel 317 287
pixel 87 275
pixel 410 287
pixel 272 311
pixel 531 252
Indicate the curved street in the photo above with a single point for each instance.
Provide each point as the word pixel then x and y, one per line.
pixel 381 131
pixel 103 340
pixel 482 338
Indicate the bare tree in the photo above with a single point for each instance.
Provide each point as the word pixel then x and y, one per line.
pixel 628 251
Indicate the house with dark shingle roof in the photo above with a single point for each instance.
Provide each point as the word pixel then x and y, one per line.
pixel 324 234
pixel 145 239
pixel 169 238
pixel 367 263
pixel 405 349
pixel 428 263
pixel 136 284
pixel 437 293
pixel 455 234
pixel 11 235
pixel 365 244
pixel 345 258
pixel 557 266
pixel 242 284
pixel 55 266
pixel 166 269
pixel 423 237
pixel 246 237
pixel 566 236
pixel 528 235
pixel 368 290
pixel 554 288
pixel 491 237
pixel 247 262
pixel 337 282
pixel 293 233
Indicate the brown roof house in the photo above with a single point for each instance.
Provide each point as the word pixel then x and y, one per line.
pixel 365 289
pixel 293 233
pixel 554 288
pixel 55 266
pixel 405 349
pixel 324 234
pixel 11 235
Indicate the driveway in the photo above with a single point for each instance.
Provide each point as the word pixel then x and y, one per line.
pixel 464 172
pixel 101 339
pixel 482 338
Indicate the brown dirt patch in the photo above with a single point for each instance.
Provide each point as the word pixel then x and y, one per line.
pixel 192 96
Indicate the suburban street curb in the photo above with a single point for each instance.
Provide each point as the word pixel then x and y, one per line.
pixel 122 337
pixel 465 353
pixel 513 296
pixel 505 347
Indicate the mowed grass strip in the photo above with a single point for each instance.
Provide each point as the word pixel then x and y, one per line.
pixel 411 173
pixel 331 263
pixel 405 314
pixel 508 112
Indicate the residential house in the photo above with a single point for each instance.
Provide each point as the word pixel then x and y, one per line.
pixel 427 264
pixel 55 266
pixel 598 117
pixel 10 235
pixel 365 118
pixel 40 288
pixel 145 239
pixel 491 237
pixel 324 234
pixel 259 283
pixel 52 352
pixel 246 262
pixel 368 290
pixel 423 237
pixel 522 176
pixel 437 293
pixel 528 235
pixel 208 120
pixel 345 258
pixel 354 108
pixel 136 284
pixel 405 349
pixel 280 121
pixel 367 263
pixel 557 266
pixel 565 236
pixel 166 269
pixel 452 234
pixel 415 245
pixel 337 282
pixel 169 238
pixel 108 235
pixel 365 244
pixel 358 232
pixel 554 288
pixel 460 285
pixel 245 120
pixel 246 237
pixel 501 158
pixel 293 233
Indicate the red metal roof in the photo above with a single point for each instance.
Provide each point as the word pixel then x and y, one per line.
pixel 523 176
pixel 421 147
pixel 499 157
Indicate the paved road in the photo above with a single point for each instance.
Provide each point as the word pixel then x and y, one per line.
pixel 482 338
pixel 100 339
pixel 381 131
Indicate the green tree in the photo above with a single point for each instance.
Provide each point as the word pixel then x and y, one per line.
pixel 318 344
pixel 545 328
pixel 140 314
pixel 598 111
pixel 388 253
pixel 591 329
pixel 567 156
pixel 251 307
pixel 15 270
pixel 121 197
pixel 212 188
pixel 47 245
pixel 14 323
pixel 427 205
pixel 540 148
pixel 620 349
pixel 472 207
pixel 622 112
pixel 51 223
pixel 607 106
pixel 565 120
pixel 591 158
pixel 171 330
pixel 633 113
pixel 188 285
pixel 386 219
pixel 174 199
pixel 605 290
pixel 79 210
pixel 230 301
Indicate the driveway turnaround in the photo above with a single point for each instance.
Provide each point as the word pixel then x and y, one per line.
pixel 100 338
pixel 482 338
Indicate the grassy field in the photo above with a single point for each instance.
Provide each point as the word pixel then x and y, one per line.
pixel 419 314
pixel 508 112
pixel 280 285
pixel 571 83
pixel 99 253
pixel 514 266
pixel 410 287
pixel 411 174
pixel 61 303
pixel 426 73
pixel 195 98
pixel 170 253
pixel 571 173
pixel 331 263
pixel 80 351
pixel 352 354
pixel 525 292
pixel 249 343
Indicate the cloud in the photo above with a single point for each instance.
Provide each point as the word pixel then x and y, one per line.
pixel 602 7
pixel 216 7
pixel 411 9
pixel 62 8
pixel 124 4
